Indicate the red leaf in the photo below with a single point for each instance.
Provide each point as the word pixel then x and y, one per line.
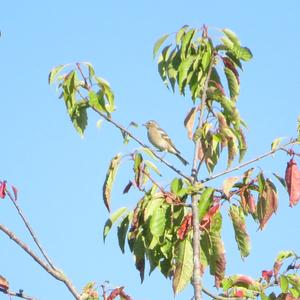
pixel 205 222
pixel 251 203
pixel 115 293
pixel 228 63
pixel 239 293
pixel 292 178
pixel 15 192
pixel 267 275
pixel 3 189
pixel 276 268
pixel 4 283
pixel 244 279
pixel 185 227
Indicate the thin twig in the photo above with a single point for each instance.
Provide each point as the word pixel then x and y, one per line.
pixel 52 271
pixel 33 235
pixel 197 282
pixel 141 143
pixel 217 297
pixel 269 153
pixel 16 294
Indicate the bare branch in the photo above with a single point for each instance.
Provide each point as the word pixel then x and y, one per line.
pixel 57 274
pixel 269 153
pixel 19 294
pixel 33 235
pixel 119 126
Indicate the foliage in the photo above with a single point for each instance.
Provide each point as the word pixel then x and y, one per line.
pixel 159 229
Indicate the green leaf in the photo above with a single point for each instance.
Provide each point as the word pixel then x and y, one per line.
pixel 183 265
pixel 232 36
pixel 148 152
pixel 242 53
pixel 158 221
pixel 183 72
pixel 109 180
pixel 281 180
pixel 239 225
pixel 91 69
pixel 158 43
pixel 79 117
pixel 122 231
pixel 54 72
pixel 186 42
pixel 180 34
pixel 284 284
pixel 152 166
pixel 276 143
pixel 176 186
pixel 233 84
pixel 112 219
pixel 205 202
pixel 282 255
pixel 96 100
pixel 153 204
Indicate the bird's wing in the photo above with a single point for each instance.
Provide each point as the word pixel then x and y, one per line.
pixel 168 139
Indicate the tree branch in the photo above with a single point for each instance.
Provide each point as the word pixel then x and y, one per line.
pixel 269 153
pixel 120 127
pixel 52 271
pixel 197 282
pixel 217 297
pixel 16 294
pixel 33 235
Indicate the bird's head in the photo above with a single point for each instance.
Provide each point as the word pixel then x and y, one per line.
pixel 150 124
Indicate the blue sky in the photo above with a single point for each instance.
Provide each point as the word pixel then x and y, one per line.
pixel 59 175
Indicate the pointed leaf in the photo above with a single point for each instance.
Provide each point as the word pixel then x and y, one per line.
pixel 228 183
pixel 54 72
pixel 239 225
pixel 180 34
pixel 183 265
pixel 233 83
pixel 109 180
pixel 276 143
pixel 152 166
pixel 292 178
pixel 267 203
pixel 158 43
pixel 111 220
pixel 79 117
pixel 205 202
pixel 183 72
pixel 189 122
pixel 231 35
pixel 186 42
pixel 122 231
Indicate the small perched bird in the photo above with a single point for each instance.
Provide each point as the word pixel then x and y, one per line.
pixel 159 139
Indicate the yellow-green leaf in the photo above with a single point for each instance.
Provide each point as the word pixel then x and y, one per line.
pixel 183 265
pixel 158 43
pixel 109 180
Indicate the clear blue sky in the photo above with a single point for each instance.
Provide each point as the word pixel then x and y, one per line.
pixel 59 176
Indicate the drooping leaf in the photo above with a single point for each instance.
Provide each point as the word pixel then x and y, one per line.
pixel 79 117
pixel 292 178
pixel 183 72
pixel 139 255
pixel 228 183
pixel 233 83
pixel 217 258
pixel 109 180
pixel 232 151
pixel 2 189
pixel 152 205
pixel 111 220
pixel 284 284
pixel 122 231
pixel 183 265
pixel 138 169
pixel 185 227
pixel 267 203
pixel 189 122
pixel 281 180
pixel 158 43
pixel 239 225
pixel 152 166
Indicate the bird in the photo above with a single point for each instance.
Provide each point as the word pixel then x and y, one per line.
pixel 160 139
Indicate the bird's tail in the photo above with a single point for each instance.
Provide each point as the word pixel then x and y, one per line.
pixel 182 159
